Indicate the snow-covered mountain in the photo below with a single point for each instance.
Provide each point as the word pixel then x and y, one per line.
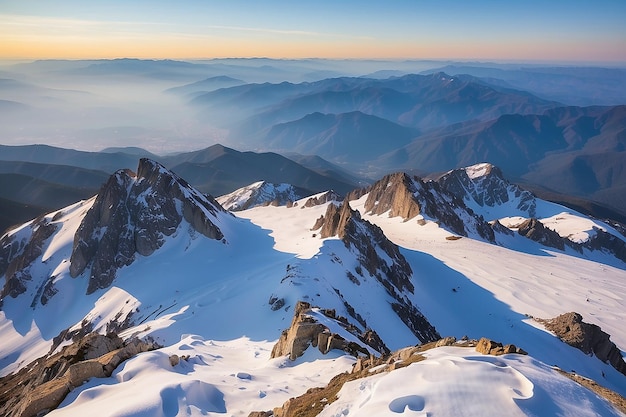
pixel 261 193
pixel 402 262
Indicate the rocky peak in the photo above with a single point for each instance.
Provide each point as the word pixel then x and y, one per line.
pixel 133 214
pixel 486 186
pixel 403 196
pixel 365 238
pixel 381 258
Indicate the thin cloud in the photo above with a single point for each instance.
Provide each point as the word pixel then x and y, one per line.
pixel 23 24
pixel 285 32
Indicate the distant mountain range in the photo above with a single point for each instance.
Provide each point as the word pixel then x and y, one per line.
pixel 573 85
pixel 423 117
pixel 37 175
pixel 433 123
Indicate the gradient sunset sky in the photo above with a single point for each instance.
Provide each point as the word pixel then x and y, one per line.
pixel 546 30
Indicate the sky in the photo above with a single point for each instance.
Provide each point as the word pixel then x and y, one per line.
pixel 556 30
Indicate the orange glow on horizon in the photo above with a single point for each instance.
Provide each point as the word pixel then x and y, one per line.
pixel 163 47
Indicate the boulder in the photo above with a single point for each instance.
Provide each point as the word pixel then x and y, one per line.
pixel 45 398
pixel 490 347
pixel 82 371
pixel 174 360
pixel 446 341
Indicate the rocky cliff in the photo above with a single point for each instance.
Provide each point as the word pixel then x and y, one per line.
pixel 18 250
pixel 133 214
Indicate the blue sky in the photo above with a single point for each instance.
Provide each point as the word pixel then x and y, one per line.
pixel 573 31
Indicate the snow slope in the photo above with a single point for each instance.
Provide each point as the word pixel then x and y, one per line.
pixel 209 300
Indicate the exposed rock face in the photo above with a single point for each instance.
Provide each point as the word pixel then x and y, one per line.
pixel 485 184
pixel 406 197
pixel 133 214
pixel 599 240
pixel 43 384
pixel 18 251
pixel 367 241
pixel 305 331
pixel 535 230
pixel 365 238
pixel 589 338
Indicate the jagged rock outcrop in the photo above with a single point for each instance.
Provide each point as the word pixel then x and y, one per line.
pixel 367 241
pixel 485 184
pixel 365 238
pixel 305 331
pixel 133 214
pixel 43 384
pixel 18 251
pixel 589 338
pixel 403 196
pixel 535 230
pixel 599 240
pixel 607 242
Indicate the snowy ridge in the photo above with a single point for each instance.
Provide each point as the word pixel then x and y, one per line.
pixel 457 381
pixel 484 189
pixel 259 193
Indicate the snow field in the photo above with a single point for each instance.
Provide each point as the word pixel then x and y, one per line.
pixel 456 381
pixel 234 377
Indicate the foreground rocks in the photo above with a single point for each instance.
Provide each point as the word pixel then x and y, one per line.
pixel 315 399
pixel 490 347
pixel 43 384
pixel 589 338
